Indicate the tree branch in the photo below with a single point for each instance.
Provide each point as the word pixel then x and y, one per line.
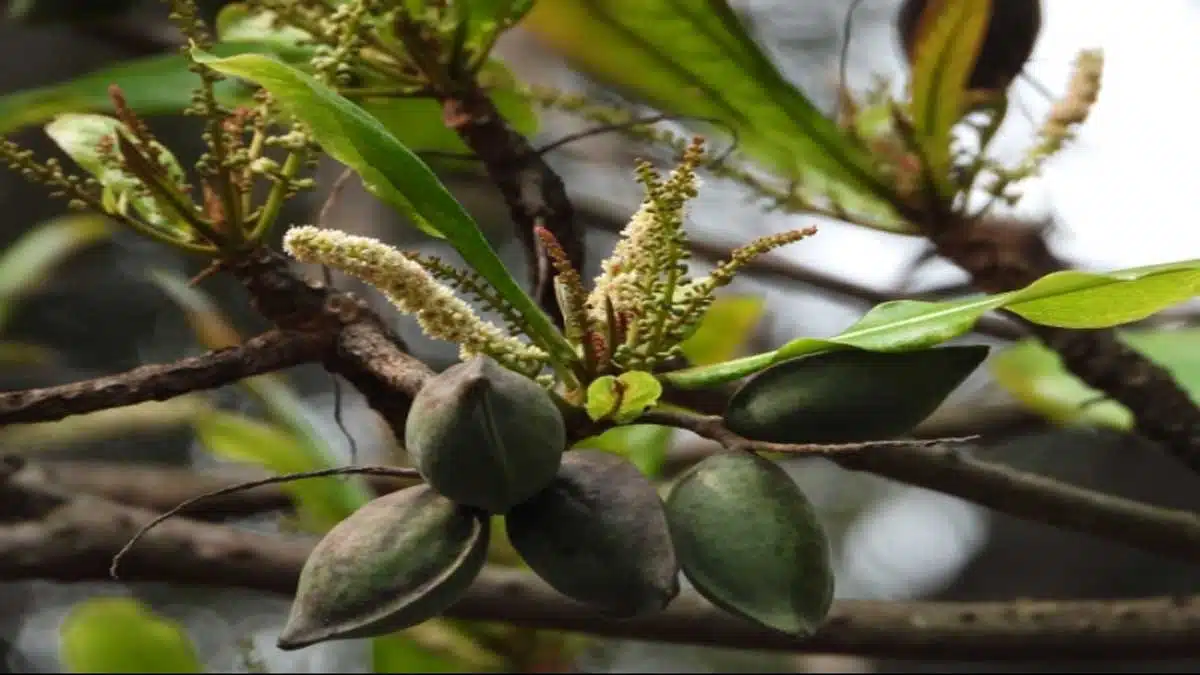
pixel 52 536
pixel 268 352
pixel 161 488
pixel 1004 255
pixel 1167 532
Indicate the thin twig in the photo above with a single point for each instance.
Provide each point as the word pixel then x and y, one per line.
pixel 389 471
pixel 1164 531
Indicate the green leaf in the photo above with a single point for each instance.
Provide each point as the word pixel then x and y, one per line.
pixel 392 172
pixel 945 56
pixel 321 502
pixel 1071 299
pixel 1035 376
pixel 238 23
pixel 81 135
pixel 694 58
pixel 157 85
pixel 603 397
pixel 27 262
pixel 644 445
pixel 121 635
pixel 726 326
pixel 401 654
pixel 622 398
pixel 848 396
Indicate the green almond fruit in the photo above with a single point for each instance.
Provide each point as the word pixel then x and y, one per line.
pixel 848 395
pixel 398 561
pixel 484 435
pixel 598 534
pixel 749 541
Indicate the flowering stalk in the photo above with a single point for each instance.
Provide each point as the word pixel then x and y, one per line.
pixel 413 290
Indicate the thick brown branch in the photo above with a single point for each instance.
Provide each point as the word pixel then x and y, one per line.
pixel 1024 495
pixel 365 352
pixel 271 351
pixel 45 535
pixel 1003 256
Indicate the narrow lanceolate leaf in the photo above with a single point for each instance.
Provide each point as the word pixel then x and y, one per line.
pixel 26 263
pixel 321 502
pixel 392 172
pixel 1035 376
pixel 1071 299
pixel 947 47
pixel 694 58
pixel 157 85
pixel 121 635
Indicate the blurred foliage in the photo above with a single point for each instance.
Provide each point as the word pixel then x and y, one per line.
pixel 120 635
pixel 1035 376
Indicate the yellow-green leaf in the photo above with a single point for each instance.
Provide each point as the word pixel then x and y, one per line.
pixel 1070 299
pixel 945 56
pixel 644 445
pixel 1035 376
pixel 121 635
pixel 622 398
pixel 322 502
pixel 726 326
pixel 27 262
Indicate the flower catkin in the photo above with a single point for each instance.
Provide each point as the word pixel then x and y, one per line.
pixel 441 314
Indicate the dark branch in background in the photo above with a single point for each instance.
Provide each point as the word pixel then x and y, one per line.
pixel 1002 256
pixel 533 192
pixel 46 534
pixel 162 488
pixel 1167 532
pixel 266 353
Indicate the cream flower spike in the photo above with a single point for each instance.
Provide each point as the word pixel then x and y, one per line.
pixel 439 312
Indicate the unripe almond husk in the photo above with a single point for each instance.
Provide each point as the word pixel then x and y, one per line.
pixel 484 435
pixel 598 534
pixel 398 561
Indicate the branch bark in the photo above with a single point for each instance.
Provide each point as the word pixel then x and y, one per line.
pixel 266 353
pixel 161 488
pixel 1002 256
pixel 69 538
pixel 1168 532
